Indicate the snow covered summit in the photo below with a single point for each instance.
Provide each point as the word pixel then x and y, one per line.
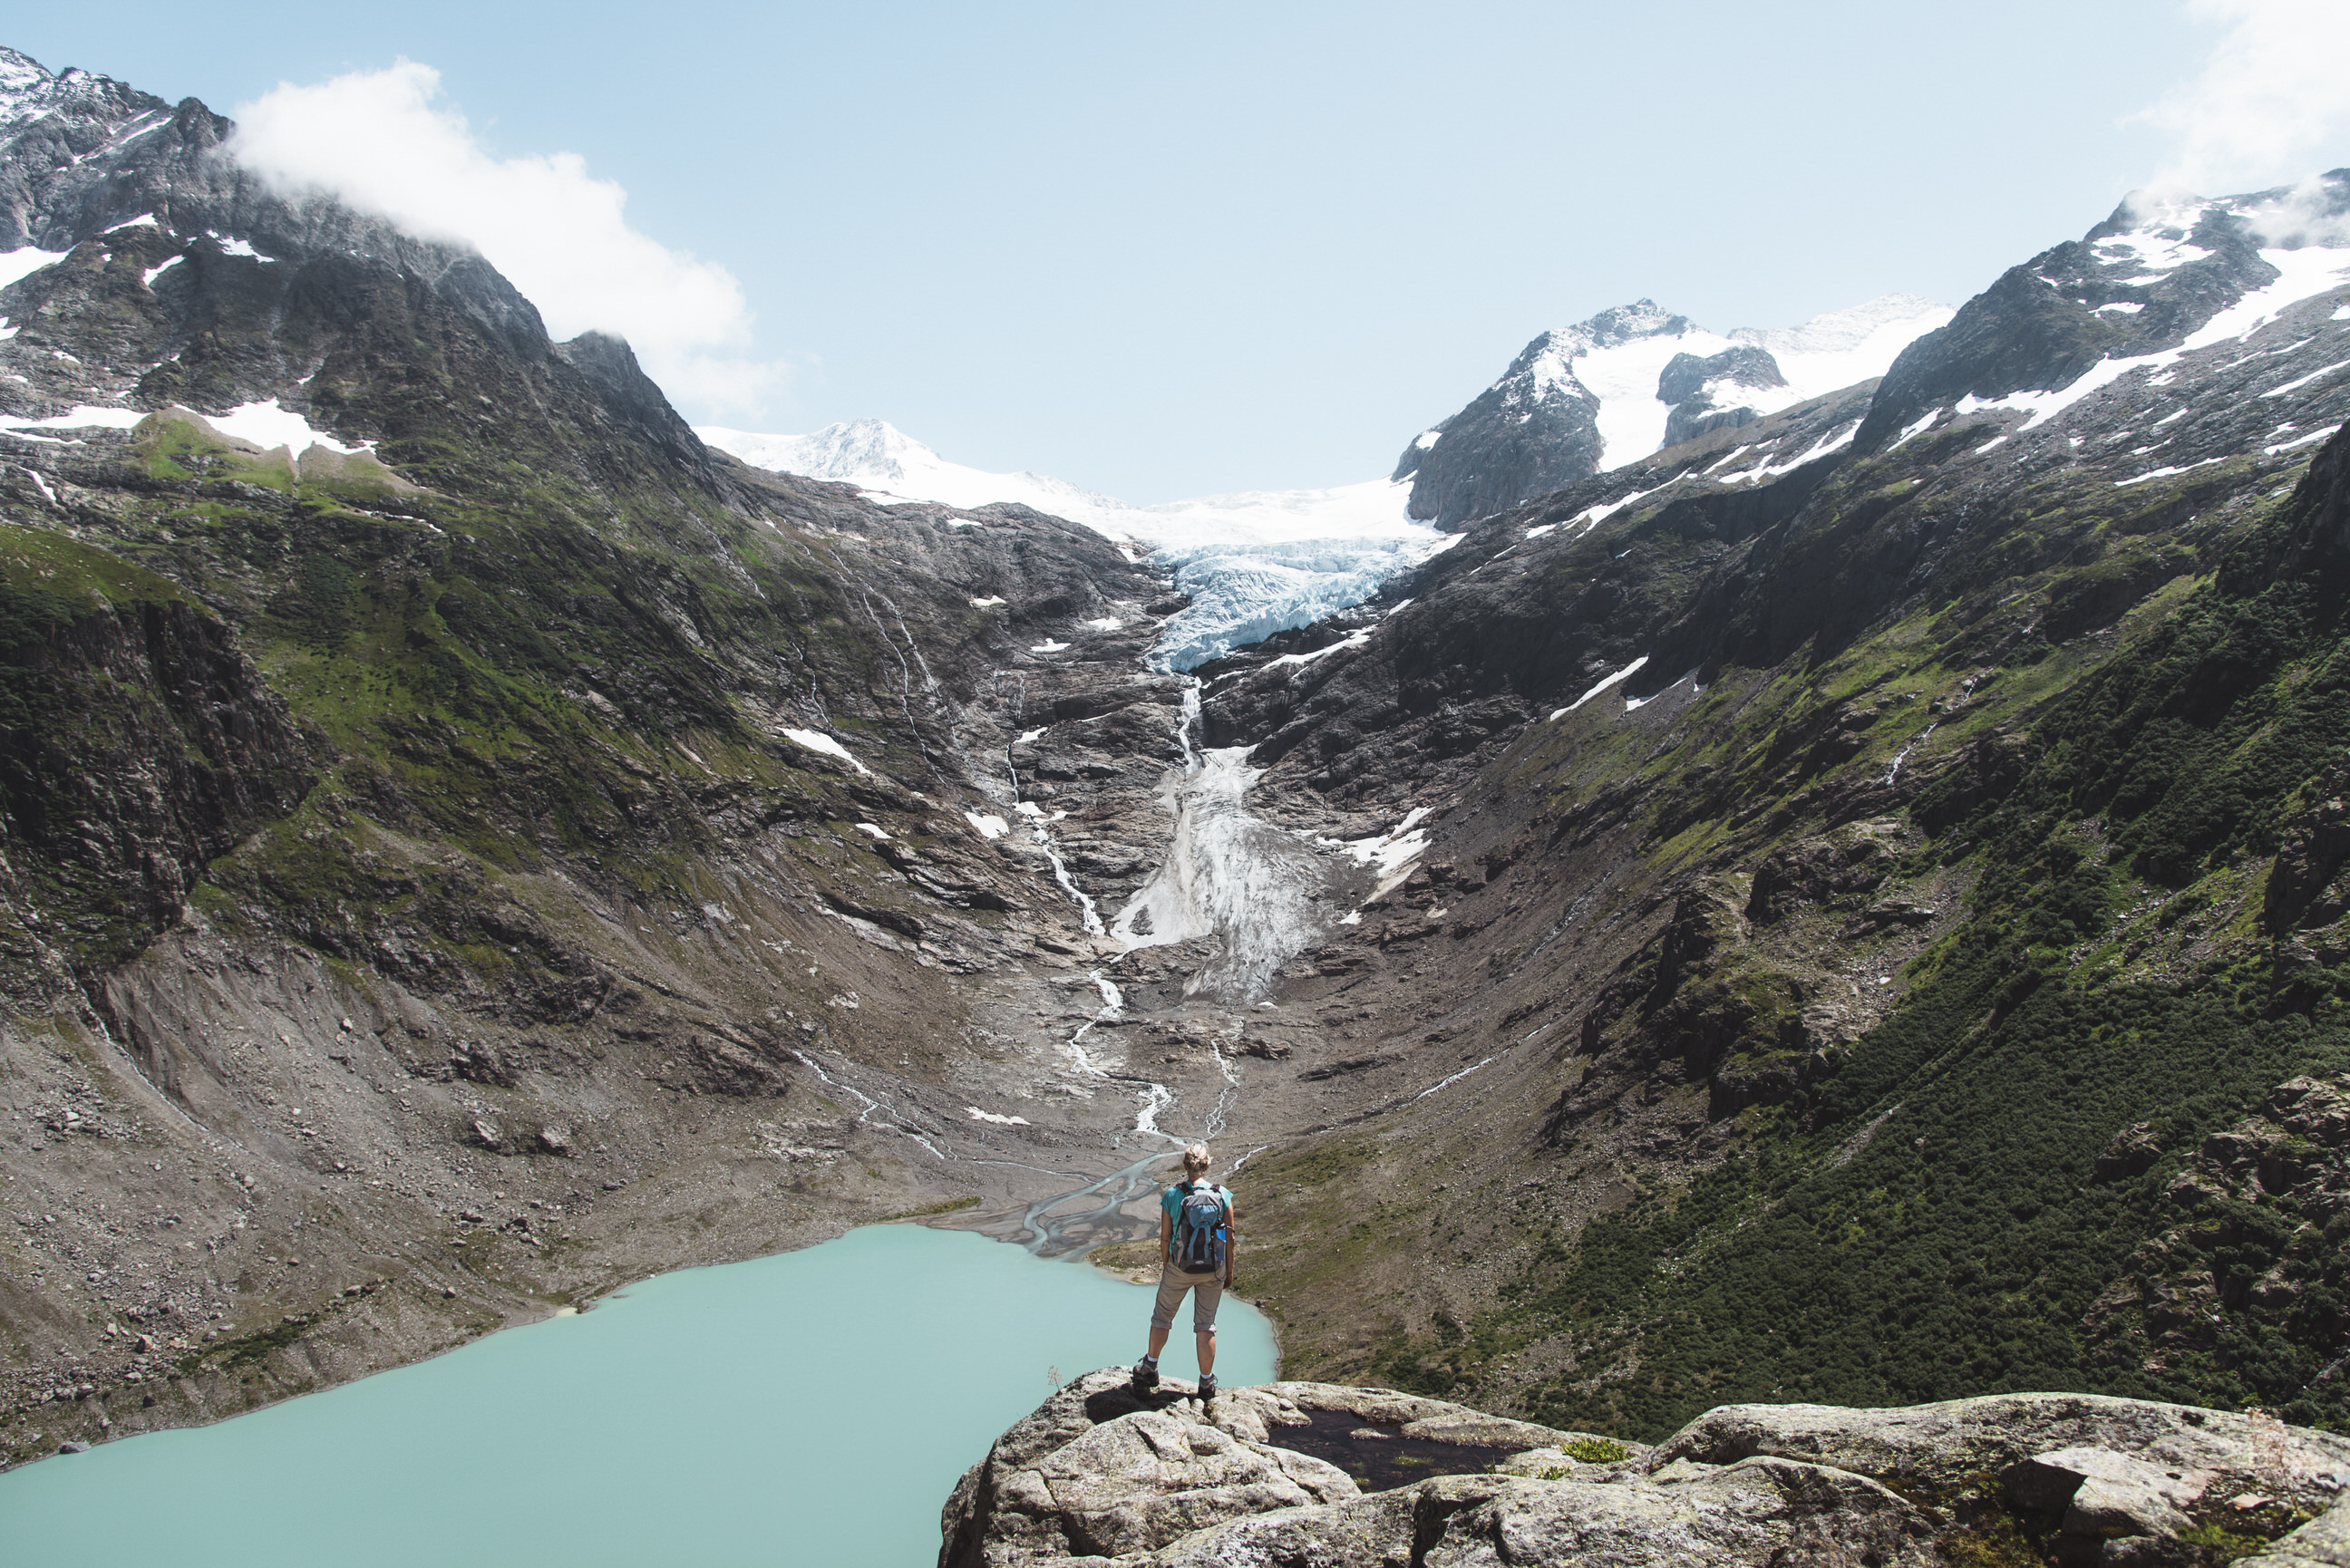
pixel 879 457
pixel 1611 389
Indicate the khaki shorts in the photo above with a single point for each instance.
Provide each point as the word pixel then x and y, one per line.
pixel 1207 1290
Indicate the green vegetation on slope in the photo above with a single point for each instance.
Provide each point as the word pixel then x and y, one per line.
pixel 1956 1211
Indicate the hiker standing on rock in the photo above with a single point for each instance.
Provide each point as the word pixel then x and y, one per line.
pixel 1196 1253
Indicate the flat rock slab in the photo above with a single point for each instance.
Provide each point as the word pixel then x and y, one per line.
pixel 1758 1514
pixel 1941 1449
pixel 2105 1496
pixel 1313 1475
pixel 1384 1439
pixel 1380 1458
pixel 1098 1470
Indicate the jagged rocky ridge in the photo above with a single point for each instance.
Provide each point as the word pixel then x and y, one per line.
pixel 1299 1473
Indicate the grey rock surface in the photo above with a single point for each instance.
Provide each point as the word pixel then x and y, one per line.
pixel 2323 1542
pixel 1098 1471
pixel 1703 391
pixel 1763 1511
pixel 2033 1439
pixel 1095 1473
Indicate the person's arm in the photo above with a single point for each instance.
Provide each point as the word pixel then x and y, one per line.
pixel 1231 1242
pixel 1166 1236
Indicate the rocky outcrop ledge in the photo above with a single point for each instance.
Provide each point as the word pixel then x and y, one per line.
pixel 1314 1475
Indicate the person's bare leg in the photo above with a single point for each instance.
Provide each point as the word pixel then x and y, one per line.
pixel 1158 1341
pixel 1206 1341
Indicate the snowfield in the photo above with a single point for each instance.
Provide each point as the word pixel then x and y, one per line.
pixel 1255 562
pixel 1616 360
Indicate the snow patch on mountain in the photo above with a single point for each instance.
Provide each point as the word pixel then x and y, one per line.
pixel 24 261
pixel 1619 357
pixel 818 742
pixel 1844 347
pixel 270 423
pixel 1254 562
pixel 2303 272
pixel 86 416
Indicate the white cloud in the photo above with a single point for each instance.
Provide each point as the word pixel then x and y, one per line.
pixel 378 141
pixel 2272 93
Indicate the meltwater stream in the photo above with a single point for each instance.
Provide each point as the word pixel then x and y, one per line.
pixel 1227 874
pixel 808 1410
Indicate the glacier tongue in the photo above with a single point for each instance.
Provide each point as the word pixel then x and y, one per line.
pixel 1254 563
pixel 1243 594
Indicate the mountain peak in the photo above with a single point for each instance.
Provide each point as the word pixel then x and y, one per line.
pixel 2168 272
pixel 20 72
pixel 869 453
pixel 1604 393
pixel 1624 323
pixel 2311 212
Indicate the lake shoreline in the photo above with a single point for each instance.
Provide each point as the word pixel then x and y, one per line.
pixel 717 1384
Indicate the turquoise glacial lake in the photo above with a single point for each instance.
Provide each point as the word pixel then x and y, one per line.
pixel 813 1409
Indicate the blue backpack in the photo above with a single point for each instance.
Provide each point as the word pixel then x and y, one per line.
pixel 1199 1231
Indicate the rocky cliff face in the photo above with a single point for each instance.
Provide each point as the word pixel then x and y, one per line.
pixel 139 746
pixel 1710 393
pixel 1316 1473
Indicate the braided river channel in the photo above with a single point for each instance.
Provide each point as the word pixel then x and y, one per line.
pixel 811 1409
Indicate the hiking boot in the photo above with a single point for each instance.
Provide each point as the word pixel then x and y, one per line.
pixel 1207 1387
pixel 1146 1378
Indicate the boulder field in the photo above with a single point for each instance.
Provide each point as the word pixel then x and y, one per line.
pixel 1318 1475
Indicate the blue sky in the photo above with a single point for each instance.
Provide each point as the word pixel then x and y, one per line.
pixel 1164 251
